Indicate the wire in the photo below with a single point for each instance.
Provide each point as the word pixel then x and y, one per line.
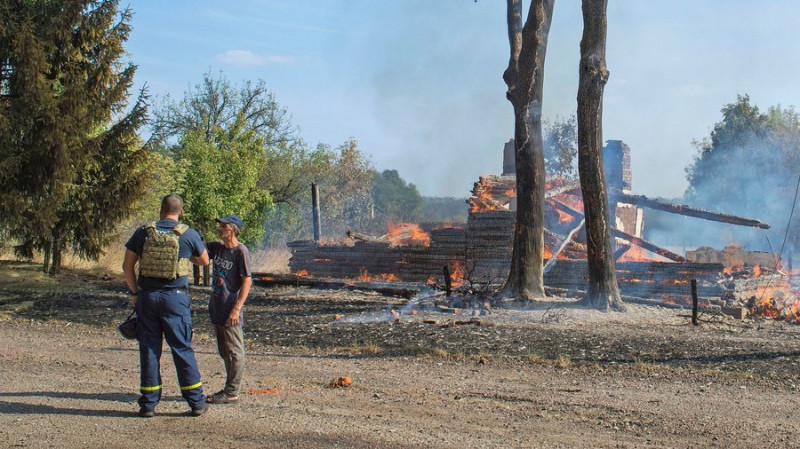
pixel 789 223
pixel 785 236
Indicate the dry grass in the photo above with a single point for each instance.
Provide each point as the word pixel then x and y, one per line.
pixel 362 349
pixel 563 361
pixel 536 360
pixel 267 260
pixel 644 367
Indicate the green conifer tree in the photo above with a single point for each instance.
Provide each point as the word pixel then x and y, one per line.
pixel 71 160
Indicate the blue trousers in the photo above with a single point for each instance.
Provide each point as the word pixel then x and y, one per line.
pixel 166 314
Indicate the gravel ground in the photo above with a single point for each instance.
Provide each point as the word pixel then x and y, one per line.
pixel 546 376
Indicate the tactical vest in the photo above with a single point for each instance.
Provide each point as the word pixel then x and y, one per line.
pixel 160 254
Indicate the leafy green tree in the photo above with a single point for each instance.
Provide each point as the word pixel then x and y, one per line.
pixel 561 147
pixel 221 177
pixel 237 153
pixel 71 162
pixel 346 191
pixel 292 167
pixel 748 166
pixel 344 177
pixel 290 170
pixel 396 201
pixel 215 104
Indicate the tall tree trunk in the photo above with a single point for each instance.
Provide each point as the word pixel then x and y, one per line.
pixel 603 291
pixel 55 265
pixel 525 80
pixel 46 257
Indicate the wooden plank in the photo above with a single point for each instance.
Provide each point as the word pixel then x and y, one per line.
pixel 689 211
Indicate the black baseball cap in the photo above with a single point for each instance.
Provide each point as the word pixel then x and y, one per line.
pixel 231 219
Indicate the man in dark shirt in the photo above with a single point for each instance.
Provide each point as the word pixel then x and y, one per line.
pixel 231 282
pixel 163 307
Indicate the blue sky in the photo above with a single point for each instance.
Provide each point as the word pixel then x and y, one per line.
pixel 418 82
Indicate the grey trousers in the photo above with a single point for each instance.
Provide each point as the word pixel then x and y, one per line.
pixel 230 343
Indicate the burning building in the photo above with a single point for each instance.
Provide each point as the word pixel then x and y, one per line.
pixel 480 251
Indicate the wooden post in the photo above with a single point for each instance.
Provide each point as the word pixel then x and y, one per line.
pixel 448 285
pixel 206 271
pixel 315 211
pixel 694 302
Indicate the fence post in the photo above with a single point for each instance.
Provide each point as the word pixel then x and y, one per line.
pixel 315 211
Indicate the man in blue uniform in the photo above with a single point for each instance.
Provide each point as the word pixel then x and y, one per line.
pixel 165 251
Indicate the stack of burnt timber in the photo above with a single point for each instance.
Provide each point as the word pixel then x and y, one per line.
pixel 493 192
pixel 422 264
pixel 490 239
pixel 344 261
pixel 376 259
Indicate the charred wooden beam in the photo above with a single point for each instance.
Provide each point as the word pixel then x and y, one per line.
pixel 567 187
pixel 566 208
pixel 647 245
pixel 366 238
pixel 564 244
pixel 682 209
pixel 395 289
pixel 631 238
pixel 621 250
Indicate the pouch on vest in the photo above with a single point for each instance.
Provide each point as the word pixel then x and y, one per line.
pixel 160 254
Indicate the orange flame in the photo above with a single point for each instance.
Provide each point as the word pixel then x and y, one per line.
pixel 767 306
pixel 637 254
pixel 457 273
pixel 301 273
pixel 564 217
pixel 482 199
pixel 793 314
pixel 548 253
pixel 364 276
pixel 387 277
pixel 407 234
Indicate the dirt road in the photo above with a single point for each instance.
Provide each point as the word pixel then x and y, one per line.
pixel 68 380
pixel 75 386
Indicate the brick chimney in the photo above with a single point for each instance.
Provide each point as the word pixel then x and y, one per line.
pixel 509 159
pixel 617 165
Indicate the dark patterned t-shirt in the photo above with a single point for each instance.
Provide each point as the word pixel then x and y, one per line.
pixel 230 267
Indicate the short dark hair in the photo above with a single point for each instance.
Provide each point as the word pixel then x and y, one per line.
pixel 171 205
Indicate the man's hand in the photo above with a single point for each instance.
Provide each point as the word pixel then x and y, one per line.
pixel 129 269
pixel 233 318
